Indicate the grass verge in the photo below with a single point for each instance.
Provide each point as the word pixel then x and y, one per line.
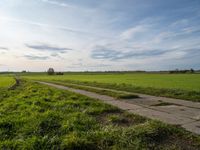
pixel 117 95
pixel 171 93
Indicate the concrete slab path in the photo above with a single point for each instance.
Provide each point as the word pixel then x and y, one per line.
pixel 179 112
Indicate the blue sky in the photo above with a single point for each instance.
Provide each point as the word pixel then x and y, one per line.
pixel 80 35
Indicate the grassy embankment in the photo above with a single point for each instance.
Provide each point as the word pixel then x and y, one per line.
pixel 34 116
pixel 181 86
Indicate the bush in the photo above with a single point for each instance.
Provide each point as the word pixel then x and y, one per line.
pixel 59 73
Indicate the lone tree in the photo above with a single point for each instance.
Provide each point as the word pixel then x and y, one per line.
pixel 192 70
pixel 50 71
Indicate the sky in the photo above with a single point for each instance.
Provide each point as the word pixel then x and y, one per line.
pixel 104 35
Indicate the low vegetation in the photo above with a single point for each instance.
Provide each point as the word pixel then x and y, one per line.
pixel 173 93
pixel 34 116
pixel 181 86
pixel 186 82
pixel 117 95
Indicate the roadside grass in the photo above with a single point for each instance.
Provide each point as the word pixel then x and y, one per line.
pixel 171 93
pixel 6 81
pixel 186 82
pixel 180 86
pixel 117 95
pixel 34 116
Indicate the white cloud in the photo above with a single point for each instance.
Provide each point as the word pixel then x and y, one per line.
pixel 180 22
pixel 54 2
pixel 41 24
pixel 132 32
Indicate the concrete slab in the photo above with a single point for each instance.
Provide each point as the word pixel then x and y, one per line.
pixel 188 112
pixel 193 127
pixel 123 105
pixel 163 116
pixel 187 115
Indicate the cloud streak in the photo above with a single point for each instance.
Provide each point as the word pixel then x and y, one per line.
pixel 104 53
pixel 132 32
pixel 47 47
pixel 35 57
pixel 4 48
pixel 39 24
pixel 57 27
pixel 81 65
pixel 54 2
pixel 119 55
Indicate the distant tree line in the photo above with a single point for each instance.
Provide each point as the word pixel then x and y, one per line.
pixel 51 71
pixel 182 71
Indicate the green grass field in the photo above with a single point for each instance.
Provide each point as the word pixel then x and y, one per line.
pixel 6 81
pixel 170 81
pixel 183 86
pixel 34 116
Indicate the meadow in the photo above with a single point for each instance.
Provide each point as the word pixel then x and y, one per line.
pixel 34 116
pixel 6 81
pixel 182 86
pixel 170 81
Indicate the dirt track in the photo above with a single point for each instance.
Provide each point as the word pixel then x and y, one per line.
pixel 178 112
